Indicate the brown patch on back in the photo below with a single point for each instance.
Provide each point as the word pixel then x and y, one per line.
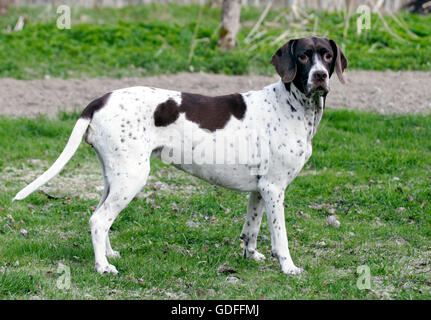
pixel 94 106
pixel 210 113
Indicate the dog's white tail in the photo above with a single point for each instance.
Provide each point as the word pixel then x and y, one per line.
pixel 70 149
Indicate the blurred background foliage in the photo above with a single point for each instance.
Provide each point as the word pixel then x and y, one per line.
pixel 168 38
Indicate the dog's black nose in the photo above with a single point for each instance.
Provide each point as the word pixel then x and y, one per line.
pixel 319 76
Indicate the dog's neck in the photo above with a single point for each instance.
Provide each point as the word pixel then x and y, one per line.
pixel 312 101
pixel 294 103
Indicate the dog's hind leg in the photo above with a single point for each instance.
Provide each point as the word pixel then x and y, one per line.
pixel 124 183
pixel 105 180
pixel 252 225
pixel 110 253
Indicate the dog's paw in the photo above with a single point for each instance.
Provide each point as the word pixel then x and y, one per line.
pixel 253 254
pixel 292 270
pixel 256 255
pixel 109 268
pixel 113 254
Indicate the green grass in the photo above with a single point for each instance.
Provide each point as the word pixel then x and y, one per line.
pixel 156 39
pixel 365 166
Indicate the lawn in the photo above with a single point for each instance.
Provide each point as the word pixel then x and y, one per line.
pixel 373 171
pixel 159 39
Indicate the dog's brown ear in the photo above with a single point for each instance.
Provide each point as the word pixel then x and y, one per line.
pixel 284 61
pixel 340 60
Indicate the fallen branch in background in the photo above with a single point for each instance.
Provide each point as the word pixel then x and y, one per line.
pixel 259 22
pixel 19 24
pixel 388 29
pixel 195 33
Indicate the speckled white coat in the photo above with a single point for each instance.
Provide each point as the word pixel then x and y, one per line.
pixel 278 126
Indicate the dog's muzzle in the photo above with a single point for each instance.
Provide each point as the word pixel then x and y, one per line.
pixel 319 84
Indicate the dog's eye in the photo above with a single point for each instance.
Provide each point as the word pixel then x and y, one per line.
pixel 327 56
pixel 303 58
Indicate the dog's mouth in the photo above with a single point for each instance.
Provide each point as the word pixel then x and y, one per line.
pixel 317 90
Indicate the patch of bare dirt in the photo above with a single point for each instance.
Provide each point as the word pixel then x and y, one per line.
pixel 386 92
pixel 86 181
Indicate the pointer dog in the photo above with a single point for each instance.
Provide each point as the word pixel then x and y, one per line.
pixel 128 126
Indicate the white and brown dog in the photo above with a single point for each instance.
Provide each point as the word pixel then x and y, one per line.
pixel 128 126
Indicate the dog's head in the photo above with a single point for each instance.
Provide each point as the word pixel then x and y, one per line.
pixel 309 63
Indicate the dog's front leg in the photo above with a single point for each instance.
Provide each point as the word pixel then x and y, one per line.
pixel 273 197
pixel 252 225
